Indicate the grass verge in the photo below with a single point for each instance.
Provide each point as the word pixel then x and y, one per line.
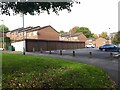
pixel 25 71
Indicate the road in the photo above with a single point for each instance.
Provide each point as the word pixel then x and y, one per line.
pixel 96 53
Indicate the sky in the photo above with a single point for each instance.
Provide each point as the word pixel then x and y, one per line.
pixel 97 15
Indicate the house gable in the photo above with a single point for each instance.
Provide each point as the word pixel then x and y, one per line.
pixel 82 38
pixel 48 33
pixel 73 37
pixel 100 41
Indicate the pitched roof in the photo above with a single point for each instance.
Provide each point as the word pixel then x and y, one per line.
pixel 30 28
pixel 23 29
pixel 40 28
pixel 72 35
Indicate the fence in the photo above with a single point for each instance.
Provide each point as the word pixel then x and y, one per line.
pixel 47 45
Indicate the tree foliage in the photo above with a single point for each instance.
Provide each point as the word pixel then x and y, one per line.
pixel 84 30
pixel 116 38
pixel 35 7
pixel 104 35
pixel 95 36
pixel 7 42
pixel 4 27
pixel 61 32
pixel 74 29
pixel 6 39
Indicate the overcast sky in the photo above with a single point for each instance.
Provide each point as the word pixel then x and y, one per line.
pixel 97 15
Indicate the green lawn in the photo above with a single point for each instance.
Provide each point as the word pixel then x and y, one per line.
pixel 25 71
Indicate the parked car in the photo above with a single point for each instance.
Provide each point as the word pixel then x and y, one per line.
pixel 109 47
pixel 90 45
pixel 1 49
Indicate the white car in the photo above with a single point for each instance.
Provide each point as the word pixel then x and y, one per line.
pixel 90 45
pixel 1 49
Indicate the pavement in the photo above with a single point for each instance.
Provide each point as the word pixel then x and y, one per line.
pixel 100 59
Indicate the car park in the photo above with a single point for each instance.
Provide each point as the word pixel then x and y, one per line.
pixel 109 47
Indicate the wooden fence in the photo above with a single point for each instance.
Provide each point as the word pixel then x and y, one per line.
pixel 47 45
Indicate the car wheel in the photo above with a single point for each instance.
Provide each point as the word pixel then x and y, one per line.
pixel 119 50
pixel 103 49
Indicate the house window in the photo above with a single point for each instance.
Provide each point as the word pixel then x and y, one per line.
pixel 17 34
pixel 14 33
pixel 90 40
pixel 24 34
pixel 20 34
pixel 75 38
pixel 35 33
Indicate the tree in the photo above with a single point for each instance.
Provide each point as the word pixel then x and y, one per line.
pixel 104 35
pixel 116 38
pixel 4 27
pixel 61 32
pixel 7 41
pixel 35 7
pixel 95 36
pixel 84 30
pixel 74 29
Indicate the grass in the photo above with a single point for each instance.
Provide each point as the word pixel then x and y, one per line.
pixel 25 71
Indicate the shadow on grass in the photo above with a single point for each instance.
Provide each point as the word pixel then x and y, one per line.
pixel 21 71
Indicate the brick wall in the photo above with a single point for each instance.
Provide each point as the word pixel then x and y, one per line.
pixel 15 36
pixel 100 42
pixel 88 41
pixel 48 33
pixel 32 35
pixel 81 38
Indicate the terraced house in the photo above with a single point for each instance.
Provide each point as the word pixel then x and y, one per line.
pixel 73 37
pixel 38 38
pixel 42 33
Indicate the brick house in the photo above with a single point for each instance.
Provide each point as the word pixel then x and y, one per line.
pixel 73 37
pixel 100 42
pixel 90 40
pixel 43 33
pixel 97 42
